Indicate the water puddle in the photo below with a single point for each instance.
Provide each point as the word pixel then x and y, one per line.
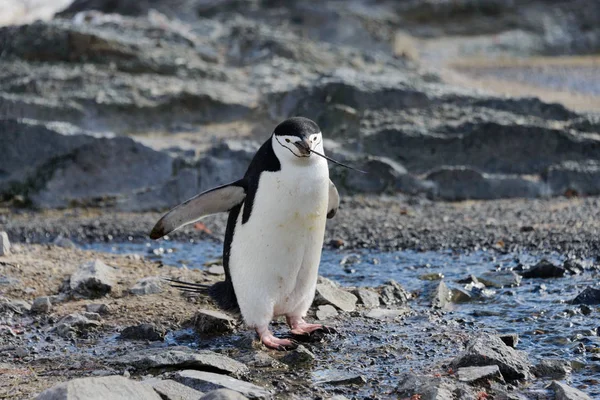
pixel 538 311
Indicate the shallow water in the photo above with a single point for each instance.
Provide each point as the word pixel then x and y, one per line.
pixel 537 310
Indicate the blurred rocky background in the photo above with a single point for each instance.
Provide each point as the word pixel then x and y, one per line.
pixel 138 105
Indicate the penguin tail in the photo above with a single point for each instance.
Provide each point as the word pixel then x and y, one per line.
pixel 188 287
pixel 224 295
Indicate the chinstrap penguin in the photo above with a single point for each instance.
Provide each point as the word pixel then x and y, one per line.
pixel 275 231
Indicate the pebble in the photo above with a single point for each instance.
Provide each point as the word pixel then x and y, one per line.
pixel 149 332
pixel 212 322
pixel 41 305
pixel 92 279
pixel 299 356
pixel 98 308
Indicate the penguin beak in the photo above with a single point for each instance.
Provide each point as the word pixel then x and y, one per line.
pixel 304 147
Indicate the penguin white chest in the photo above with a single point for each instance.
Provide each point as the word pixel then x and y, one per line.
pixel 275 254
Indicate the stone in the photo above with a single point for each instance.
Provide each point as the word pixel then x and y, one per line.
pixel 41 305
pixel 486 350
pixel 98 308
pixel 211 322
pixel 224 394
pixel 339 298
pixel 168 389
pixel 75 324
pixel 552 368
pixel 298 356
pixel 384 313
pixel 564 392
pixel 500 279
pixel 207 381
pixel 182 357
pixel 368 298
pixel 92 280
pixel 510 339
pixel 544 269
pixel 339 378
pixel 4 244
pixel 103 388
pixel 216 270
pixel 150 285
pixel 440 295
pixel 589 296
pixel 149 332
pixel 64 242
pixel 393 293
pixel 325 312
pixel 424 387
pixel 473 375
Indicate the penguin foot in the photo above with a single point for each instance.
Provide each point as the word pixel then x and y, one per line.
pixel 272 342
pixel 302 328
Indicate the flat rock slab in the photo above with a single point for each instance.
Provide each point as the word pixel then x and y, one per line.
pixel 339 298
pixel 207 381
pixel 326 311
pixel 383 313
pixel 339 378
pixel 168 389
pixel 104 388
pixel 224 394
pixel 564 392
pixel 183 357
pixel 488 350
pixel 212 322
pixel 92 280
pixel 500 279
pixel 477 374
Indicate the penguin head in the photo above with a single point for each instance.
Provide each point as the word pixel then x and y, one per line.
pixel 297 136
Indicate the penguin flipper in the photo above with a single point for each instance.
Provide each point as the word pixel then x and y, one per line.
pixel 334 200
pixel 220 199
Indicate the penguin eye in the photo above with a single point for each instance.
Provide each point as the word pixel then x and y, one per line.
pixel 287 140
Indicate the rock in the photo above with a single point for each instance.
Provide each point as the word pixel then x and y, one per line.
pixel 329 294
pixel 41 305
pixel 64 242
pixel 4 244
pixel 211 322
pixel 367 297
pixel 216 270
pixel 224 394
pixel 434 276
pixel 488 350
pixel 340 378
pixel 579 177
pixel 108 387
pixel 182 357
pixel 473 375
pixel 149 332
pixel 97 308
pixel 424 387
pixel 325 312
pixel 510 339
pixel 92 280
pixel 552 368
pixel 145 286
pixel 299 356
pixel 384 313
pixel 170 390
pixel 544 269
pixel 564 392
pixel 440 296
pixel 207 381
pixel 500 279
pixel 9 307
pixel 75 324
pixel 589 296
pixel 392 293
pixel 461 296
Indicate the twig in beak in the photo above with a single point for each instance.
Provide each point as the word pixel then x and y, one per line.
pixel 337 162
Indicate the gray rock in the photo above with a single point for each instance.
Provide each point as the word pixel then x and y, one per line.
pixel 552 368
pixel 510 339
pixel 216 270
pixel 299 356
pixel 64 242
pixel 384 313
pixel 544 269
pixel 170 390
pixel 500 279
pixel 224 394
pixel 564 392
pixel 75 324
pixel 207 381
pixel 325 312
pixel 473 375
pixel 367 297
pixel 582 178
pixel 41 305
pixel 340 378
pixel 98 308
pixel 440 295
pixel 108 387
pixel 211 322
pixel 150 285
pixel 4 244
pixel 392 293
pixel 92 280
pixel 339 298
pixel 149 332
pixel 589 296
pixel 488 350
pixel 183 357
pixel 428 388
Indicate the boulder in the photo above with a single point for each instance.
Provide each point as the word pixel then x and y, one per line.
pixel 552 368
pixel 107 387
pixel 92 280
pixel 589 296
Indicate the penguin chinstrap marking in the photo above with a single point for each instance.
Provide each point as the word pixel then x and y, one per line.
pixel 275 231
